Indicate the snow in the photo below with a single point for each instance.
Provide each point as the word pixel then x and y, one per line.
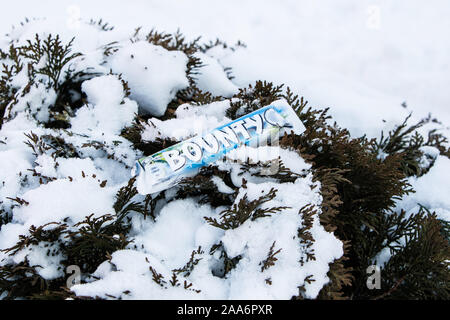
pixel 335 54
pixel 202 119
pixel 168 250
pixel 173 128
pixel 216 109
pixel 153 74
pixel 95 87
pixel 429 156
pixel 106 114
pixel 174 247
pixel 36 102
pixel 49 264
pixel 212 77
pixel 11 171
pixel 63 199
pixel 359 58
pixel 131 271
pixel 247 240
pixel 221 186
pixel 71 167
pixel 431 190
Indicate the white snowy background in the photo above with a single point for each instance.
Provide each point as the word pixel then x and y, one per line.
pixel 362 59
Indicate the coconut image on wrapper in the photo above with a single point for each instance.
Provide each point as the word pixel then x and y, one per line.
pixel 165 168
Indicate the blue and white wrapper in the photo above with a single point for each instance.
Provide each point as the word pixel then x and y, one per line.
pixel 167 167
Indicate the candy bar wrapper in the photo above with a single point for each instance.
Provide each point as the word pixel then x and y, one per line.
pixel 167 167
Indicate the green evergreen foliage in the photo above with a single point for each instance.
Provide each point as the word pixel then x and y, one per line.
pixel 245 209
pixel 203 187
pixel 46 143
pixel 190 265
pixel 361 189
pixel 271 258
pixel 227 263
pixel 304 233
pixel 267 170
pixel 86 244
pixel 7 91
pixel 95 239
pixel 102 25
pixel 4 217
pixel 38 235
pixel 407 141
pixel 419 268
pixel 22 280
pixel 133 134
pixel 174 281
pixel 124 203
pixel 47 62
pixel 253 98
pixel 54 54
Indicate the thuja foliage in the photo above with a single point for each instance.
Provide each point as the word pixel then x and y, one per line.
pixel 227 263
pixel 23 280
pixel 360 188
pixel 4 217
pixel 304 234
pixel 360 180
pixel 245 210
pixel 203 187
pixel 55 146
pixel 192 94
pixel 407 141
pixel 94 239
pixel 274 169
pixel 189 266
pixel 48 63
pixel 412 276
pixel 133 134
pixel 51 53
pixel 254 97
pixel 86 244
pixel 9 70
pixel 101 25
pixel 271 258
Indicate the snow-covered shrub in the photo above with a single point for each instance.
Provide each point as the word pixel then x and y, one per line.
pixel 76 114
